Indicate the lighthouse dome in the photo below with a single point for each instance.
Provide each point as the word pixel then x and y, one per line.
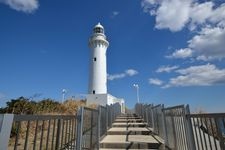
pixel 98 28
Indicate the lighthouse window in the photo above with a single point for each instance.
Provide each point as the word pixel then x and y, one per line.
pixel 95 59
pixel 93 91
pixel 101 30
pixel 98 30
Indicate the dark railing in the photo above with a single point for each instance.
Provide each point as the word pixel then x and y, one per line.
pixel 93 125
pixel 88 126
pixel 181 130
pixel 57 132
pixel 103 120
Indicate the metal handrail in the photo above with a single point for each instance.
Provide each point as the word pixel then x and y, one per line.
pixel 57 132
pixel 182 130
pixel 93 119
pixel 40 132
pixel 217 115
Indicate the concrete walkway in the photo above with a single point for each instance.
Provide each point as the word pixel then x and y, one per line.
pixel 130 132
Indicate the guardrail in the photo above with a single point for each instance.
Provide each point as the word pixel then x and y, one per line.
pixel 182 130
pixel 57 132
pixel 42 132
pixel 93 125
pixel 208 130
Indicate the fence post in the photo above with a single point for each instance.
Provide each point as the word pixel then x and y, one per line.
pixel 106 118
pixel 153 120
pixel 174 132
pixel 6 121
pixel 146 111
pixel 145 114
pixel 189 129
pixel 57 143
pixel 113 113
pixel 79 128
pixel 110 116
pixel 91 136
pixel 164 126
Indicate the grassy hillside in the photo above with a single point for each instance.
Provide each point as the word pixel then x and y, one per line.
pixel 24 105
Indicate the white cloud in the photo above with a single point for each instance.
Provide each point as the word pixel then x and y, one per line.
pixel 155 81
pixel 181 53
pixel 129 72
pixel 115 13
pixel 218 14
pixel 167 69
pixel 172 14
pixel 203 75
pixel 206 44
pixel 27 6
pixel 116 76
pixel 175 14
pixel 209 43
pixel 148 3
pixel 199 13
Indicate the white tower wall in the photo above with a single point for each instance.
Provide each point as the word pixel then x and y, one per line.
pixel 98 72
pixel 97 90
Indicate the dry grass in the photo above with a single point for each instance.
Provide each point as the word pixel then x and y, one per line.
pixel 70 107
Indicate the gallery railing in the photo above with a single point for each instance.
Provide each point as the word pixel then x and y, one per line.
pixel 57 132
pixel 181 130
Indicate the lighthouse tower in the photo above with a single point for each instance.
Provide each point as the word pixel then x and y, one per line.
pixel 97 89
pixel 98 74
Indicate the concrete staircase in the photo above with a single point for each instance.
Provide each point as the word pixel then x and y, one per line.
pixel 130 132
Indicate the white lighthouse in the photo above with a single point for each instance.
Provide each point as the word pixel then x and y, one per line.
pixel 98 74
pixel 97 88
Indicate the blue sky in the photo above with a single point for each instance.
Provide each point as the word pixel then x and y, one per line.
pixel 174 49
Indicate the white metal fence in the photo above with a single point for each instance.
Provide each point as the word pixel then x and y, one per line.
pixel 57 132
pixel 182 130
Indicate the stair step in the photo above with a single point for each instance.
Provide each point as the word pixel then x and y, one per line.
pixel 122 149
pixel 131 141
pixel 129 131
pixel 139 124
pixel 128 120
